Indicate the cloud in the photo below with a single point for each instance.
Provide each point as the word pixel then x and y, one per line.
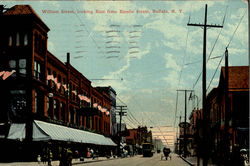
pixel 171 62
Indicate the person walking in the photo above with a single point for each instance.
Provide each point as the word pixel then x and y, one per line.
pixel 50 156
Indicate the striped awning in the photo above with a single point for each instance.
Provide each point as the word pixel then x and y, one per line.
pixel 47 131
pixel 43 131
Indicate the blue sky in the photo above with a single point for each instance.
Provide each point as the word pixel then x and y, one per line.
pixel 144 54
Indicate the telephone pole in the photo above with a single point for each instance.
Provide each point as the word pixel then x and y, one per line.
pixel 205 26
pixel 185 122
pixel 121 113
pixel 227 111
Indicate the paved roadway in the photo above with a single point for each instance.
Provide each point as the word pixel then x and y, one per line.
pixel 141 161
pixel 103 161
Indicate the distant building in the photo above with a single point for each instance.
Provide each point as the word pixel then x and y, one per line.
pixel 109 90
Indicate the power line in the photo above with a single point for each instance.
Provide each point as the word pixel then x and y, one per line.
pixel 226 47
pixel 212 48
pixel 128 110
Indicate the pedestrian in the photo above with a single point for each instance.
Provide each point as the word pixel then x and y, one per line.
pixel 91 152
pixel 39 159
pixel 63 157
pixel 50 156
pixel 88 153
pixel 69 157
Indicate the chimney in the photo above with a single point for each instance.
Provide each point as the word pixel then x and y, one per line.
pixel 1 9
pixel 68 58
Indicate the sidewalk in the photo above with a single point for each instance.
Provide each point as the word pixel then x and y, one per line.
pixel 193 161
pixel 56 163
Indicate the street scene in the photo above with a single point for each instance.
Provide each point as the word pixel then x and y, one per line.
pixel 120 83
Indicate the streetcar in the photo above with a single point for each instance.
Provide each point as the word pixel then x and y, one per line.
pixel 147 149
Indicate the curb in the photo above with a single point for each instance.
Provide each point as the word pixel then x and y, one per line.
pixel 92 161
pixel 186 161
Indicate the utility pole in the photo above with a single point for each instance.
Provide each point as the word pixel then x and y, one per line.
pixel 185 122
pixel 205 26
pixel 227 111
pixel 121 113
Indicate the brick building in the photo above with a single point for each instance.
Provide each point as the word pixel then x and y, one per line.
pixel 42 90
pixel 238 111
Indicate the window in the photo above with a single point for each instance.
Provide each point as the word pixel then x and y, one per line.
pixel 64 82
pixel 78 118
pixel 36 105
pixel 19 66
pixel 56 110
pixel 54 84
pixel 49 73
pixel 49 109
pixel 22 66
pixel 59 79
pixel 37 70
pixel 18 102
pixel 72 115
pixel 10 42
pixel 74 88
pixel 62 112
pixel 17 39
pixel 25 40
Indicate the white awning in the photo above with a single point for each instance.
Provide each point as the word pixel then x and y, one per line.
pixel 17 131
pixel 47 131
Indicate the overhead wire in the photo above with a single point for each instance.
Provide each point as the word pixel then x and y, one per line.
pixel 226 47
pixel 212 47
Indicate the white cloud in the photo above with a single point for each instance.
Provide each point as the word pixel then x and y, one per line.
pixel 171 62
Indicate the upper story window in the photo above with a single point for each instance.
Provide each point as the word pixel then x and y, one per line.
pixel 19 66
pixel 17 39
pixel 22 66
pixel 10 41
pixel 36 103
pixel 18 102
pixel 54 84
pixel 48 73
pixel 37 70
pixel 25 40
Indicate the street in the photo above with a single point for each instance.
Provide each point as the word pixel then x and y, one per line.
pixel 103 161
pixel 142 161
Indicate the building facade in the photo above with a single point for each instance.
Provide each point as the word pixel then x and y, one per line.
pixel 38 87
pixel 238 116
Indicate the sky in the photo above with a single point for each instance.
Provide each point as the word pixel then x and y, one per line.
pixel 146 56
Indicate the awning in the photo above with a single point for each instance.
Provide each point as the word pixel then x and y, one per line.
pixel 17 131
pixel 47 131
